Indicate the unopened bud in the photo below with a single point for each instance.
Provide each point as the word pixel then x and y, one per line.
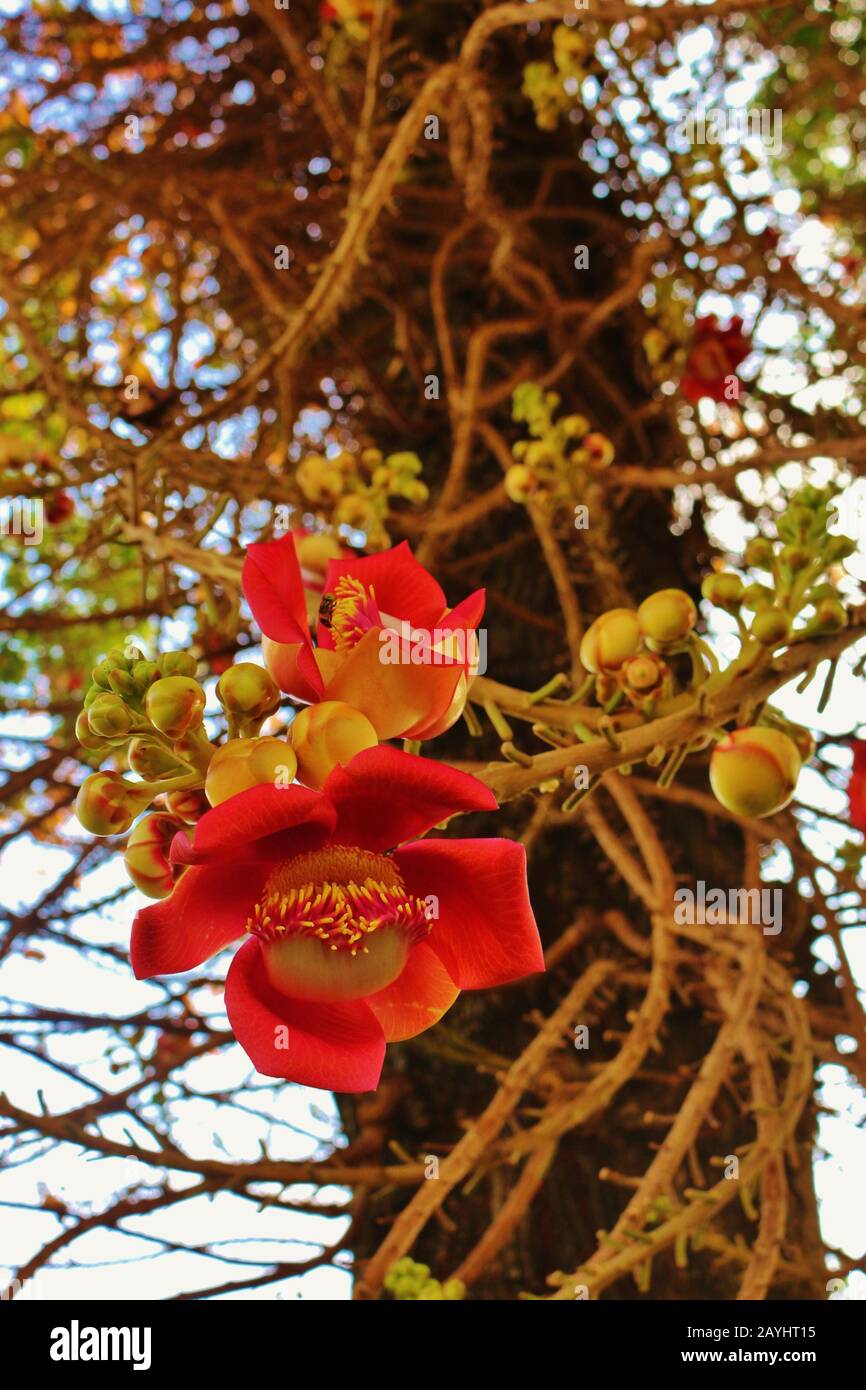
pixel 175 704
pixel 645 675
pixel 146 857
pixel 599 450
pixel 838 548
pixel 188 805
pixel 247 691
pixel 327 735
pixel 85 734
pixel 248 762
pixel 520 482
pixel 122 683
pixel 109 717
pixel 610 640
pixel 758 596
pixel 830 616
pixel 724 589
pixel 149 760
pixel 667 616
pixel 177 664
pixel 770 626
pixel 796 557
pixel 107 805
pixel 758 553
pixel 754 771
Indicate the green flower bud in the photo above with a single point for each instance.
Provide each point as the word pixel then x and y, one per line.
pixel 830 616
pixel 724 589
pixel 757 596
pixel 796 557
pixel 175 704
pixel 759 553
pixel 797 523
pixel 247 691
pixel 100 673
pixel 838 548
pixel 453 1289
pixel 107 805
pixel 109 717
pixel 754 771
pixel 118 658
pixel 177 664
pixel 820 591
pixel 146 857
pixel 770 626
pixel 667 616
pixel 144 673
pixel 85 734
pixel 809 496
pixel 121 683
pixel 610 640
pixel 149 760
pixel 188 805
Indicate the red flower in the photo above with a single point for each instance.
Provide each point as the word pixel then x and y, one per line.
pixel 364 654
pixel 714 357
pixel 857 785
pixel 351 943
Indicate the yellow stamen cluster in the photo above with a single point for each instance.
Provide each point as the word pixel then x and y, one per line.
pixel 354 613
pixel 340 915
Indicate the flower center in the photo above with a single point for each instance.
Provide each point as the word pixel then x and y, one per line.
pixel 337 923
pixel 351 612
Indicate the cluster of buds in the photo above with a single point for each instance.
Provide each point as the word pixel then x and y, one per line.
pixel 554 464
pixel 801 600
pixel 625 649
pixel 628 654
pixel 150 715
pixel 354 490
pixel 554 88
pixel 406 1279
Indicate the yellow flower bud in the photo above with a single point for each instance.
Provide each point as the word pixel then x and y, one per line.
pixel 177 664
pixel 248 762
pixel 315 551
pixel 146 856
pixel 520 482
pixel 248 692
pixel 107 805
pixel 754 771
pixel 174 705
pixel 610 641
pixel 318 479
pixel 759 553
pixel 770 627
pixel 830 616
pixel 667 616
pixel 644 675
pixel 85 734
pixel 109 717
pixel 326 735
pixel 724 589
pixel 149 760
pixel 189 805
pixel 599 450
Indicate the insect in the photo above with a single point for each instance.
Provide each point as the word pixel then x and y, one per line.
pixel 326 609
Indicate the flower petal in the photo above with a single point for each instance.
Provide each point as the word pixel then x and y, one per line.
pixel 264 822
pixel 274 589
pixel 338 1047
pixel 207 909
pixel 385 796
pixel 417 999
pixel 403 587
pixel 395 695
pixel 486 933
